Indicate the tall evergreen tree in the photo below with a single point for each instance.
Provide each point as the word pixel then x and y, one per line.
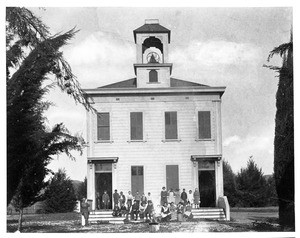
pixel 284 136
pixel 32 54
pixel 229 184
pixel 82 190
pixel 251 185
pixel 60 195
pixel 271 191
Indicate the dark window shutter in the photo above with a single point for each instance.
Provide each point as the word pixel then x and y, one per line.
pixel 103 126
pixel 204 125
pixel 136 126
pixel 171 125
pixel 137 179
pixel 153 78
pixel 172 176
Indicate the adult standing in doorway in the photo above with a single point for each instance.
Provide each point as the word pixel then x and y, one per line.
pixel 163 196
pixel 105 200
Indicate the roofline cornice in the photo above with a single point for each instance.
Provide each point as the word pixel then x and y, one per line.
pixel 181 90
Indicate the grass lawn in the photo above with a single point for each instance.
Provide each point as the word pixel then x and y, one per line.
pixel 242 220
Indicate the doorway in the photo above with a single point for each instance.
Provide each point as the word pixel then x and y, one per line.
pixel 207 188
pixel 103 182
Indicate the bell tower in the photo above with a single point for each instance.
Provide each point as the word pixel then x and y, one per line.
pixel 152 68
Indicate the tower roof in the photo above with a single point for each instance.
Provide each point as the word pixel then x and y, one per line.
pixel 152 26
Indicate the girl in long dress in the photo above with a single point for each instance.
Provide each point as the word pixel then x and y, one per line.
pixel 171 197
pixel 197 198
pixel 163 196
pixel 177 196
pixel 190 197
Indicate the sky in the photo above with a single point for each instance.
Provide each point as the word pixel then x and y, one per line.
pixel 212 46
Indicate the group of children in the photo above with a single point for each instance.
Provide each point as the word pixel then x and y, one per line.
pixel 173 205
pixel 175 196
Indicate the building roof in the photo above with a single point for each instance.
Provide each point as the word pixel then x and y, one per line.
pixel 152 28
pixel 175 83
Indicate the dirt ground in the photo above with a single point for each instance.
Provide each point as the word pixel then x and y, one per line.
pixel 242 220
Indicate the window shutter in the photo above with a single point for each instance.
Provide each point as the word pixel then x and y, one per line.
pixel 136 126
pixel 204 125
pixel 103 126
pixel 171 125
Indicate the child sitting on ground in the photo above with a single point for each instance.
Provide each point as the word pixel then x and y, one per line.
pixel 123 209
pixel 116 211
pixel 188 211
pixel 180 211
pixel 134 210
pixel 173 211
pixel 142 210
pixel 165 213
pixel 149 211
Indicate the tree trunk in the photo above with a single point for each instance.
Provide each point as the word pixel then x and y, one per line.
pixel 20 219
pixel 284 145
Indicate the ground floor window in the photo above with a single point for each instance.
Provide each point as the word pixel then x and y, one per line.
pixel 137 179
pixel 172 177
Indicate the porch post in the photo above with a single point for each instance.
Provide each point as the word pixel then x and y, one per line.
pixel 91 183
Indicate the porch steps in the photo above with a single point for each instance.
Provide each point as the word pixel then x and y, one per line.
pixel 212 213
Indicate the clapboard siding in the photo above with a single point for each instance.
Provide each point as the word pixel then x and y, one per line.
pixel 154 153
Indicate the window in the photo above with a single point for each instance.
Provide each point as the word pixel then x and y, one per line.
pixel 153 78
pixel 136 126
pixel 103 126
pixel 172 177
pixel 204 126
pixel 137 179
pixel 137 170
pixel 103 167
pixel 171 125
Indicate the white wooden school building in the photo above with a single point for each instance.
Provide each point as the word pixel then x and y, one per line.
pixel 154 130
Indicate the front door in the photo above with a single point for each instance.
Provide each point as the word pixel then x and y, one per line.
pixel 103 182
pixel 137 179
pixel 207 184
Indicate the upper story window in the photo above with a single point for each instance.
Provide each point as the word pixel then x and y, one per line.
pixel 153 78
pixel 103 126
pixel 171 125
pixel 204 125
pixel 136 126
